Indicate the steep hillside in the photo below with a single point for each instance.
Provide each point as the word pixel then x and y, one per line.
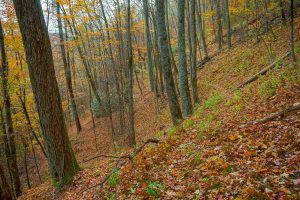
pixel 218 153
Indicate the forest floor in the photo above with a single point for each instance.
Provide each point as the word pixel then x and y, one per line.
pixel 211 155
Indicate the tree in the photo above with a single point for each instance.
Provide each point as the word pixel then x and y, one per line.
pixel 61 159
pixel 201 30
pixel 67 69
pixel 219 24
pixel 183 78
pixel 148 46
pixel 12 155
pixel 194 51
pixel 132 141
pixel 5 192
pixel 165 62
pixel 228 24
pixel 293 57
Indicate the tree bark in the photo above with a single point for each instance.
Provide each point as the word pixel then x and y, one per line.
pixel 149 46
pixel 219 24
pixel 183 77
pixel 132 141
pixel 61 158
pixel 166 62
pixel 201 30
pixel 194 51
pixel 228 23
pixel 293 57
pixel 5 193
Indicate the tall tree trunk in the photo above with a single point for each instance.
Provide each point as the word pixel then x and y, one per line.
pixel 194 51
pixel 25 145
pixel 166 62
pixel 61 158
pixel 283 18
pixel 293 57
pixel 201 30
pixel 5 193
pixel 8 118
pixel 256 22
pixel 35 160
pixel 267 23
pixel 183 77
pixel 149 47
pixel 228 23
pixel 67 70
pixel 6 151
pixel 132 141
pixel 219 24
pixel 173 64
pixel 25 112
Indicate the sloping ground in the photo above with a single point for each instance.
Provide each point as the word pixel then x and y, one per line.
pixel 210 156
pixel 147 122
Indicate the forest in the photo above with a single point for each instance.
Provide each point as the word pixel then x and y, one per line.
pixel 150 99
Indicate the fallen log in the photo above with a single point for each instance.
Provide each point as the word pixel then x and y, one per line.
pixel 119 163
pixel 273 116
pixel 263 71
pixel 204 61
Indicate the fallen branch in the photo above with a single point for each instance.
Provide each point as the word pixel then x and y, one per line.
pixel 263 71
pixel 119 163
pixel 100 156
pixel 204 61
pixel 273 116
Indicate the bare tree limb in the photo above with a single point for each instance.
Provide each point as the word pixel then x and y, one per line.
pixel 263 71
pixel 119 163
pixel 273 116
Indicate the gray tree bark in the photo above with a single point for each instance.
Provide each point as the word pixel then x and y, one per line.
pixel 194 51
pixel 201 30
pixel 228 23
pixel 165 62
pixel 183 77
pixel 219 24
pixel 132 141
pixel 149 46
pixel 293 56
